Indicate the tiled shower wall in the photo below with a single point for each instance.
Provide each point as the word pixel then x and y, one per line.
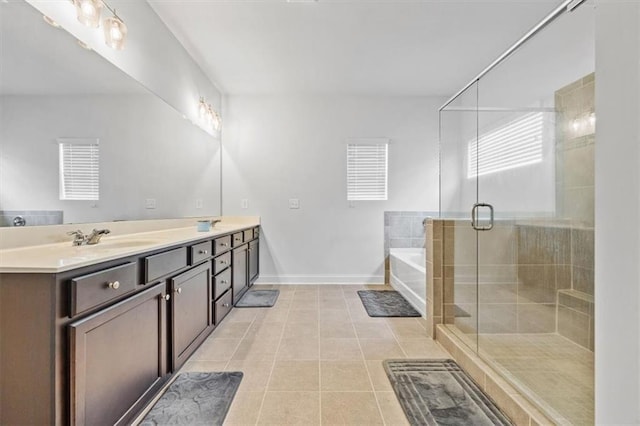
pixel 532 278
pixel 32 217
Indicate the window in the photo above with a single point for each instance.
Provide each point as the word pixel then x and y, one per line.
pixel 367 170
pixel 516 144
pixel 79 169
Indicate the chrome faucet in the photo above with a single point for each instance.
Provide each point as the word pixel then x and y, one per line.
pixel 96 234
pixel 79 237
pixel 93 238
pixel 214 221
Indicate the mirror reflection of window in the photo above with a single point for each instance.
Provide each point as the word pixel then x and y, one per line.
pixel 79 169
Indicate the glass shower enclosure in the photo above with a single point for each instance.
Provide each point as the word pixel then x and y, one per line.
pixel 517 193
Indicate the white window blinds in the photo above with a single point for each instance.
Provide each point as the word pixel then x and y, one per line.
pixel 516 144
pixel 367 171
pixel 79 169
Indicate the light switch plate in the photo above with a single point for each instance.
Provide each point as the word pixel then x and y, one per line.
pixel 198 203
pixel 150 203
pixel 294 203
pixel 244 203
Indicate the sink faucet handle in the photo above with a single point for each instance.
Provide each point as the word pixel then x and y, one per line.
pixel 214 221
pixel 79 237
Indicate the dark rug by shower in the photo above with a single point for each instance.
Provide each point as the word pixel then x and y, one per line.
pixel 439 392
pixel 195 399
pixel 258 299
pixel 386 303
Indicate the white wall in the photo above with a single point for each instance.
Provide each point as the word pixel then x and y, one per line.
pixel 276 148
pixel 617 240
pixel 147 150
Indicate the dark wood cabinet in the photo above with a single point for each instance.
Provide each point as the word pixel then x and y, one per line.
pixel 254 261
pixel 117 357
pixel 239 271
pixel 191 313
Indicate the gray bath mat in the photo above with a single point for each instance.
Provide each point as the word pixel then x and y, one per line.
pixel 258 299
pixel 385 303
pixel 195 399
pixel 438 392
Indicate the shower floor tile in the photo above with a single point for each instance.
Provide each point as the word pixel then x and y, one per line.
pixel 556 372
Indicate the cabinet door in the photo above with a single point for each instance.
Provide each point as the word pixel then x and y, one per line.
pixel 118 357
pixel 240 272
pixel 254 261
pixel 191 297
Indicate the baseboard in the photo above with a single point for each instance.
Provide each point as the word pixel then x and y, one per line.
pixel 320 279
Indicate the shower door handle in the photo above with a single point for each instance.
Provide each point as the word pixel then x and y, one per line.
pixel 474 217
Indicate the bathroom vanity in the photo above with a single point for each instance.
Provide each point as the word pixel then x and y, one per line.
pixel 89 335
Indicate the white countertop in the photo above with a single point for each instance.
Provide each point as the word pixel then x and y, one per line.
pixel 60 257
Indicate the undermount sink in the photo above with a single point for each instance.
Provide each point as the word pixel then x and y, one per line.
pixel 123 244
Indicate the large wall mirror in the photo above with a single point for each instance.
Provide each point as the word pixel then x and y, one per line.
pixel 81 141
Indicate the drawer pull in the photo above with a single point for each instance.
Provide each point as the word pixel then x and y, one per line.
pixel 114 285
pixel 167 297
pixel 224 282
pixel 237 239
pixel 179 290
pixel 224 244
pixel 203 252
pixel 225 305
pixel 223 262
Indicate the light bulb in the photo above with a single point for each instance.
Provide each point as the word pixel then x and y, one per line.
pixel 202 108
pixel 88 12
pixel 575 125
pixel 592 118
pixel 115 32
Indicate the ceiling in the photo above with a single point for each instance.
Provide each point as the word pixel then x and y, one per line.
pixel 361 47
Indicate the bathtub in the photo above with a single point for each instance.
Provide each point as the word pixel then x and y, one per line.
pixel 408 276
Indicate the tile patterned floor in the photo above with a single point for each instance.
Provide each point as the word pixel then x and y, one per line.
pixel 559 372
pixel 314 358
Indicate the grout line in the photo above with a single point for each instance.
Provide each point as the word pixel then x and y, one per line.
pixel 366 366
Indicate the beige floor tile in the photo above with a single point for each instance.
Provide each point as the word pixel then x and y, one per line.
pixel 423 348
pixel 344 376
pixel 373 330
pixel 350 408
pixel 203 366
pixel 303 315
pixel 299 349
pixel 244 409
pixel 378 376
pixel 295 376
pixel 335 315
pixel 275 315
pixel 290 408
pixel 256 374
pixel 340 349
pixel 242 315
pixel 300 330
pixel 256 349
pixel 265 330
pixel 332 303
pixel 336 329
pixel 381 349
pixel 216 350
pixel 391 410
pixel 231 330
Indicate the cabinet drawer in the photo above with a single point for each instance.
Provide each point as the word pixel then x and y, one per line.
pixel 221 283
pixel 222 244
pixel 100 287
pixel 256 232
pixel 237 239
pixel 162 264
pixel 222 307
pixel 200 252
pixel 248 235
pixel 221 263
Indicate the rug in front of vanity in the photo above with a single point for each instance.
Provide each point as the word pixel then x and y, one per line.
pixel 439 392
pixel 195 399
pixel 386 303
pixel 258 299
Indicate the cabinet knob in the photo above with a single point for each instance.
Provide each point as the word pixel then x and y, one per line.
pixel 179 290
pixel 226 305
pixel 224 244
pixel 203 252
pixel 223 262
pixel 224 282
pixel 114 285
pixel 167 297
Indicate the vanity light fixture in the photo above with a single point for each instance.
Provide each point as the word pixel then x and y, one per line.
pixel 88 12
pixel 115 30
pixel 84 45
pixel 208 115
